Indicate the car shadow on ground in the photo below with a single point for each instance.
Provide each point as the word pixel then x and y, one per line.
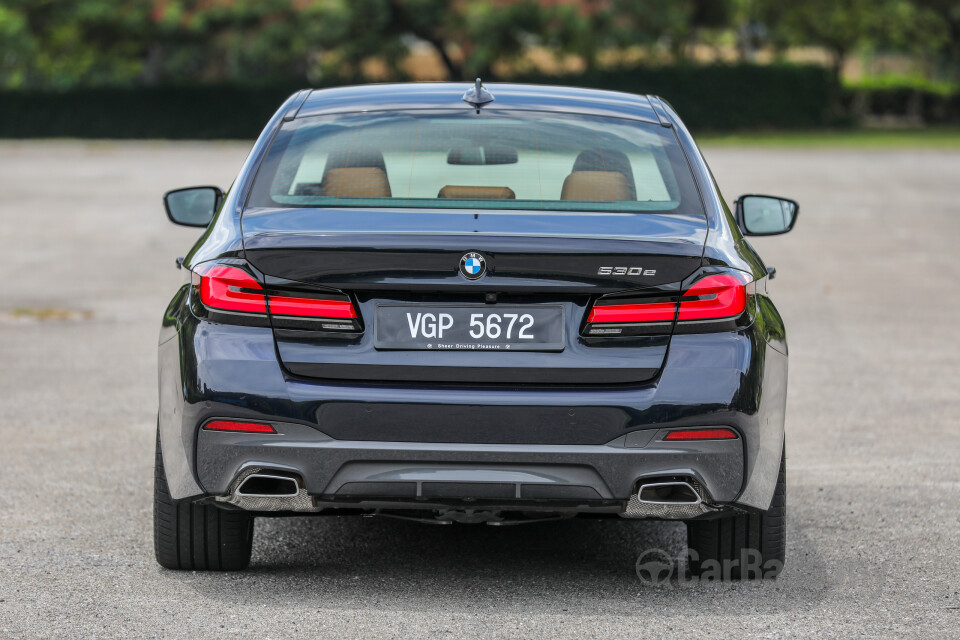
pixel 570 566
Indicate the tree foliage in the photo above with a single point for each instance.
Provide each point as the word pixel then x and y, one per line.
pixel 66 43
pixel 844 26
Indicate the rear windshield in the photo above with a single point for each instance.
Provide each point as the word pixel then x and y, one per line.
pixel 465 160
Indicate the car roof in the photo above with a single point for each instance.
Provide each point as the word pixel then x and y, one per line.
pixel 448 95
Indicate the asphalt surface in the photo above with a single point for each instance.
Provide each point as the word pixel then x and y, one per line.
pixel 868 287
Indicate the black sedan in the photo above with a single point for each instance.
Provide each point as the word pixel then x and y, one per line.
pixel 464 304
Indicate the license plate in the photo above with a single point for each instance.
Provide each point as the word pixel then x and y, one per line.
pixel 469 328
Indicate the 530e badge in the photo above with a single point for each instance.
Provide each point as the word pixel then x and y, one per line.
pixel 626 271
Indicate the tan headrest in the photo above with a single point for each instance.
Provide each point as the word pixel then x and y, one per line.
pixel 607 186
pixel 477 193
pixel 356 182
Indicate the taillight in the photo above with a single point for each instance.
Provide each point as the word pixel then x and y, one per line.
pixel 311 307
pixel 231 289
pixel 640 312
pixel 225 287
pixel 324 313
pixel 719 297
pixel 702 434
pixel 239 427
pixel 713 297
pixel 631 317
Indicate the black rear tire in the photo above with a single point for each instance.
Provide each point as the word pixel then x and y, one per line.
pixel 197 537
pixel 742 547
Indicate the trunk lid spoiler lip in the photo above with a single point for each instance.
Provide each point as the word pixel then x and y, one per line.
pixel 303 226
pixel 392 239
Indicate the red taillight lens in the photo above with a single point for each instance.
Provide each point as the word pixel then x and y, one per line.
pixel 231 289
pixel 649 312
pixel 311 307
pixel 718 296
pixel 243 427
pixel 702 434
pixel 721 296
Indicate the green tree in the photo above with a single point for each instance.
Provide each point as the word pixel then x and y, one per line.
pixel 676 24
pixel 17 46
pixel 946 13
pixel 839 26
pixel 469 37
pixel 587 27
pixel 60 43
pixel 583 28
pixel 844 26
pixel 247 41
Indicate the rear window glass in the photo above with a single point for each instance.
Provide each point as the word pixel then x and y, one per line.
pixel 465 160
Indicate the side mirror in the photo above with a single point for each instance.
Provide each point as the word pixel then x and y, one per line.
pixel 766 215
pixel 193 206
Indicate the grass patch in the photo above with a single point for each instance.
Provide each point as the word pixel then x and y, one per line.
pixel 933 137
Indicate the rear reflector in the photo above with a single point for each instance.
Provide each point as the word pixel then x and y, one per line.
pixel 244 427
pixel 231 289
pixel 702 434
pixel 718 296
pixel 311 307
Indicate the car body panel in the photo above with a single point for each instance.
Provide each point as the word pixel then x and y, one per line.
pixel 337 425
pixel 335 469
pixel 382 249
pixel 233 372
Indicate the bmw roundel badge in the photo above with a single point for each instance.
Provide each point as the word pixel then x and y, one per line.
pixel 472 265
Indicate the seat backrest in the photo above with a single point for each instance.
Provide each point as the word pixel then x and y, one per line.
pixel 607 160
pixel 369 184
pixel 353 158
pixel 463 192
pixel 595 186
pixel 356 182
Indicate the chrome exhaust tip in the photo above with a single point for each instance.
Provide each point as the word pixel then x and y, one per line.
pixel 257 489
pixel 669 493
pixel 668 500
pixel 264 485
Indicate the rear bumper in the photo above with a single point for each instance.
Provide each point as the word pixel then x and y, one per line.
pixel 354 472
pixel 430 440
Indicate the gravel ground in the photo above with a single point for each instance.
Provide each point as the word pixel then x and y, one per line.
pixel 866 283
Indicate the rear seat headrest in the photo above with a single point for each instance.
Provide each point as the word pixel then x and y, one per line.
pixel 464 192
pixel 355 173
pixel 353 158
pixel 356 182
pixel 607 160
pixel 595 186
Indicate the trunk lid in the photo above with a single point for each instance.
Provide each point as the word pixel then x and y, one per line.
pixel 412 257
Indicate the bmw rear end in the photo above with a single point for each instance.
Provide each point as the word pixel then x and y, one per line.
pixel 473 309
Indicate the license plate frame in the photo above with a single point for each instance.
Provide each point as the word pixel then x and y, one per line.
pixel 396 331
